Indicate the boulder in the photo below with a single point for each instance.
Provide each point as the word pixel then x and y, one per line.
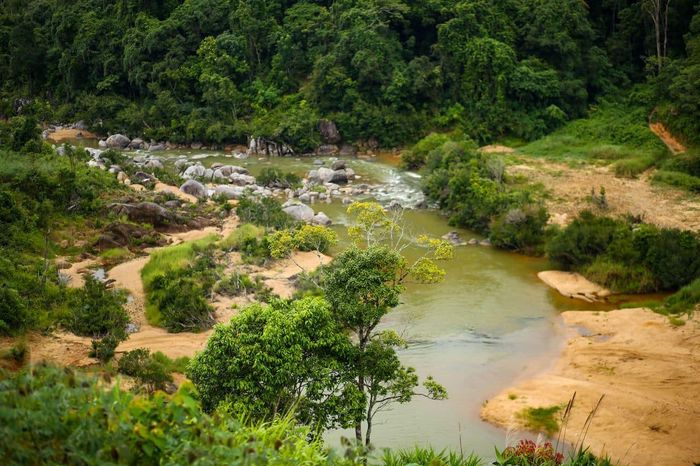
pixel 338 165
pixel 196 145
pixel 102 144
pixel 229 192
pixel 144 212
pixel 118 141
pixel 154 163
pixel 325 175
pixel 318 162
pixel 350 173
pixel 329 131
pixel 142 178
pixel 229 170
pixel 195 171
pixel 300 212
pixel 122 177
pixel 80 125
pixel 242 180
pixel 136 143
pixel 452 237
pixel 194 188
pixel 156 147
pixel 339 176
pixel 321 219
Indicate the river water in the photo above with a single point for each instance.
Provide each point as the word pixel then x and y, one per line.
pixel 489 323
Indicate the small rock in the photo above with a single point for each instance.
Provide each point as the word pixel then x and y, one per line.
pixel 321 219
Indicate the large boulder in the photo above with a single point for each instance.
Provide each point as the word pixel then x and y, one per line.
pixel 229 170
pixel 229 192
pixel 136 143
pixel 156 147
pixel 194 188
pixel 321 219
pixel 329 132
pixel 300 212
pixel 325 175
pixel 144 212
pixel 118 141
pixel 195 171
pixel 338 164
pixel 339 176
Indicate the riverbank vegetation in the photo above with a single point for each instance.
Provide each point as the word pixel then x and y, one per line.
pixel 386 73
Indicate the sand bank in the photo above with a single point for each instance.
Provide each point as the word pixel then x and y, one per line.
pixel 649 372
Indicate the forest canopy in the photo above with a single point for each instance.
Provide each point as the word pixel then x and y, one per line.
pixel 388 71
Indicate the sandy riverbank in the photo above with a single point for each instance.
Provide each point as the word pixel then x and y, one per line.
pixel 649 372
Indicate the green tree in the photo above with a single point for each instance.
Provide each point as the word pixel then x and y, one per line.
pixel 274 359
pixel 362 286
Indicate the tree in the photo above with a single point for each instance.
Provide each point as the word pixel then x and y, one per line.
pixel 275 359
pixel 362 285
pixel 658 11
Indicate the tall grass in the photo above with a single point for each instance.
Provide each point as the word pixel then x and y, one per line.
pixel 428 457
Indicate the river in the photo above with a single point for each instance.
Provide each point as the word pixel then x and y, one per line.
pixel 489 323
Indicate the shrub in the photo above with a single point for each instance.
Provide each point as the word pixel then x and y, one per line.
pixel 241 235
pixel 266 212
pixel 235 284
pixel 148 370
pixel 103 349
pixel 96 311
pixel 620 277
pixel 54 415
pixel 415 157
pixel 14 316
pixel 685 300
pixel 587 237
pixel 178 302
pixel 630 168
pixel 528 453
pixel 314 238
pixel 673 256
pixel 428 457
pixel 520 229
pixel 275 178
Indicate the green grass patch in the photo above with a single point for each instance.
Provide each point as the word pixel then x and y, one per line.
pixel 680 180
pixel 611 132
pixel 632 167
pixel 114 256
pixel 541 419
pixel 684 301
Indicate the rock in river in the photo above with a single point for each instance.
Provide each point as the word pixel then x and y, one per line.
pixel 195 188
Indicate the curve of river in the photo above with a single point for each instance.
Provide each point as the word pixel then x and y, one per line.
pixel 488 324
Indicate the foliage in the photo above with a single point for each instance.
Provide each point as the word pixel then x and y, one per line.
pixel 472 189
pixel 428 457
pixel 250 241
pixel 678 179
pixel 275 178
pixel 685 300
pixel 624 256
pixel 304 238
pixel 97 311
pixel 271 359
pixel 148 370
pixel 266 212
pixel 45 408
pixel 176 280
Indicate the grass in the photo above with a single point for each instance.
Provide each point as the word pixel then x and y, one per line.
pixel 541 419
pixel 240 235
pixel 684 301
pixel 613 132
pixel 114 256
pixel 170 258
pixel 679 180
pixel 428 457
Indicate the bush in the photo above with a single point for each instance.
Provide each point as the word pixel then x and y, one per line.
pixel 178 302
pixel 104 348
pixel 266 212
pixel 240 236
pixel 416 157
pixel 235 284
pixel 97 311
pixel 587 237
pixel 14 316
pixel 685 300
pixel 428 457
pixel 275 178
pixel 54 415
pixel 630 168
pixel 673 256
pixel 520 230
pixel 148 370
pixel 620 277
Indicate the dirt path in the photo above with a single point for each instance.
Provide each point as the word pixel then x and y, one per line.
pixel 649 372
pixel 280 276
pixel 570 190
pixel 673 144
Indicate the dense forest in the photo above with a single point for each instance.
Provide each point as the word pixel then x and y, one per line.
pixel 386 71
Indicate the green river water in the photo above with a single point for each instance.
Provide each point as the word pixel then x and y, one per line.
pixel 490 323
